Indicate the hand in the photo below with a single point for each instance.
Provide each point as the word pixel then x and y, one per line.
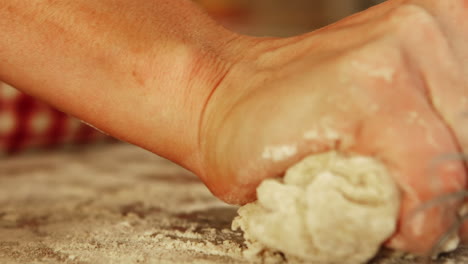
pixel 382 83
pixel 449 85
pixel 389 82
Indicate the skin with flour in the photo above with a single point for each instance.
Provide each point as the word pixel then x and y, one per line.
pixel 163 68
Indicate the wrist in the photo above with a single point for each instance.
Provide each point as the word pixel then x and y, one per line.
pixel 177 85
pixel 206 67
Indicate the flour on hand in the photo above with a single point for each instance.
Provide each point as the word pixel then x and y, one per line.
pixel 329 208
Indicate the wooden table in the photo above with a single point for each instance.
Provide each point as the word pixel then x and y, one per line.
pixel 117 204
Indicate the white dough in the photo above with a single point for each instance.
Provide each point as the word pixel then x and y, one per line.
pixel 329 208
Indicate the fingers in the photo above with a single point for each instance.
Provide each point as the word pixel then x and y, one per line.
pixel 447 83
pixel 424 222
pixel 414 143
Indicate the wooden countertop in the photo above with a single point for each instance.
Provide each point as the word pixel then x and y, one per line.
pixel 118 204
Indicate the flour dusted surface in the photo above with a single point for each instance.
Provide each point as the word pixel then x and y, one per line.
pixel 329 208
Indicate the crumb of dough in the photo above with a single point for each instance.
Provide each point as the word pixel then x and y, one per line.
pixel 329 208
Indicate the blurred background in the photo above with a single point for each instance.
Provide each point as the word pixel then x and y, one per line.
pixel 281 18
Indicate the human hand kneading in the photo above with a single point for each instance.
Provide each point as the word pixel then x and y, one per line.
pixel 369 87
pixel 363 119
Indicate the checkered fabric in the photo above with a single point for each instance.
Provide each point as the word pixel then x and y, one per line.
pixel 28 124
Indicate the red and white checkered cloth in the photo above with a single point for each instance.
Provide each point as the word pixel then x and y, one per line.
pixel 26 124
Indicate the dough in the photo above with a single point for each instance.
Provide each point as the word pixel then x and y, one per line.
pixel 329 208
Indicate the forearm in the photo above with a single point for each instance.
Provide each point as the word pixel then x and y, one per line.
pixel 140 70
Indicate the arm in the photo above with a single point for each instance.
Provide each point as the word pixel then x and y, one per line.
pixel 146 71
pixel 139 70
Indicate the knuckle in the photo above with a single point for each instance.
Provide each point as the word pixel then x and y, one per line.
pixel 377 61
pixel 411 21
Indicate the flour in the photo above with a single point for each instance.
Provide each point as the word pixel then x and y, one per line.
pixel 279 153
pixel 329 208
pixel 385 73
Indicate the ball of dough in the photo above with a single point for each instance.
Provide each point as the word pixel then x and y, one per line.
pixel 329 208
